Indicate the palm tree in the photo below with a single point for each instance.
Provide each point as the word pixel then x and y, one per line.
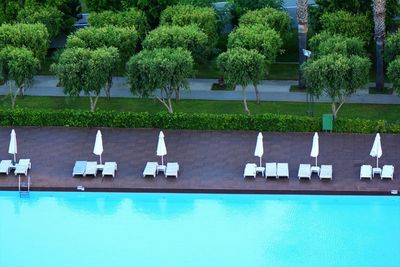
pixel 302 19
pixel 379 36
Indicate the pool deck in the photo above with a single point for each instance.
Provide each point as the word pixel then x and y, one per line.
pixel 210 161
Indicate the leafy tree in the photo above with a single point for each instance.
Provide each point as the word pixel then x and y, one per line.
pixel 164 69
pixel 347 24
pixel 338 76
pixel 302 18
pixel 392 46
pixel 393 72
pixel 124 39
pixel 182 15
pixel 18 65
pixel 189 37
pixel 264 40
pixel 130 18
pixel 268 17
pixel 324 43
pixel 242 6
pixel 51 17
pixel 242 67
pixel 32 36
pixel 81 69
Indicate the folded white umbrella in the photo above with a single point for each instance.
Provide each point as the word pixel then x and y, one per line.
pixel 98 145
pixel 161 148
pixel 259 151
pixel 376 150
pixel 315 148
pixel 12 149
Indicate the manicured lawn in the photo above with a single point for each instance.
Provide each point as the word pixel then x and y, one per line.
pixel 374 112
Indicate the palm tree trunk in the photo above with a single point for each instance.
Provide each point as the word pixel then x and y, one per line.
pixel 302 19
pixel 379 35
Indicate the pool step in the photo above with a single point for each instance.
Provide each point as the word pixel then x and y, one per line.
pixel 24 194
pixel 24 187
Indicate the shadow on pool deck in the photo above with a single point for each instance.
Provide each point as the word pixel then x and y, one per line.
pixel 210 161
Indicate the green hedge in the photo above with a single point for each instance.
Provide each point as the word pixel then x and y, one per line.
pixel 163 120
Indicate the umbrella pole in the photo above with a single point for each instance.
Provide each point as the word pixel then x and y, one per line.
pixel 100 159
pixel 260 161
pixel 15 158
pixel 316 161
pixel 377 160
pixel 162 160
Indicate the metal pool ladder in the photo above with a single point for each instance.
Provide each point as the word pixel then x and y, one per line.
pixel 24 187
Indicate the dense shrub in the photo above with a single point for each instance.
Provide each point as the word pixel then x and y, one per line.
pixel 182 15
pixel 393 72
pixel 164 120
pixel 268 17
pixel 392 46
pixel 242 6
pixel 132 17
pixel 347 24
pixel 189 37
pixel 325 43
pixel 32 36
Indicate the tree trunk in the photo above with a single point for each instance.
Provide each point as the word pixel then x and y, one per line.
pixel 302 18
pixel 170 105
pixel 379 9
pixel 335 109
pixel 245 100
pixel 177 94
pixel 93 102
pixel 257 93
pixel 14 97
pixel 107 88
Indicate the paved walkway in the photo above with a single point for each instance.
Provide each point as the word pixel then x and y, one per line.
pixel 210 161
pixel 201 89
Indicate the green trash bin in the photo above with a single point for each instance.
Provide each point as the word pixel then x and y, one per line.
pixel 327 122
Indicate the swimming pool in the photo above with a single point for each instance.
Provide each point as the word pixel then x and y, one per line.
pixel 121 229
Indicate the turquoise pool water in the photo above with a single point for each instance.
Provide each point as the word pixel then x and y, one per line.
pixel 115 229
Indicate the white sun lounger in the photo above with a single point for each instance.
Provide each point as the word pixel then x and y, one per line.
pixel 79 167
pixel 270 169
pixel 22 167
pixel 5 166
pixel 150 169
pixel 172 169
pixel 109 168
pixel 250 170
pixel 325 172
pixel 387 172
pixel 91 168
pixel 282 170
pixel 304 171
pixel 366 172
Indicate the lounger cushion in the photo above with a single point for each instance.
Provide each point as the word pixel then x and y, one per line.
pixel 325 172
pixel 150 169
pixel 270 169
pixel 282 170
pixel 366 172
pixel 79 167
pixel 172 169
pixel 5 166
pixel 109 168
pixel 304 171
pixel 22 166
pixel 387 172
pixel 250 170
pixel 91 168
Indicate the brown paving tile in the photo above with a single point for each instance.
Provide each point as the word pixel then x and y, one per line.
pixel 210 161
